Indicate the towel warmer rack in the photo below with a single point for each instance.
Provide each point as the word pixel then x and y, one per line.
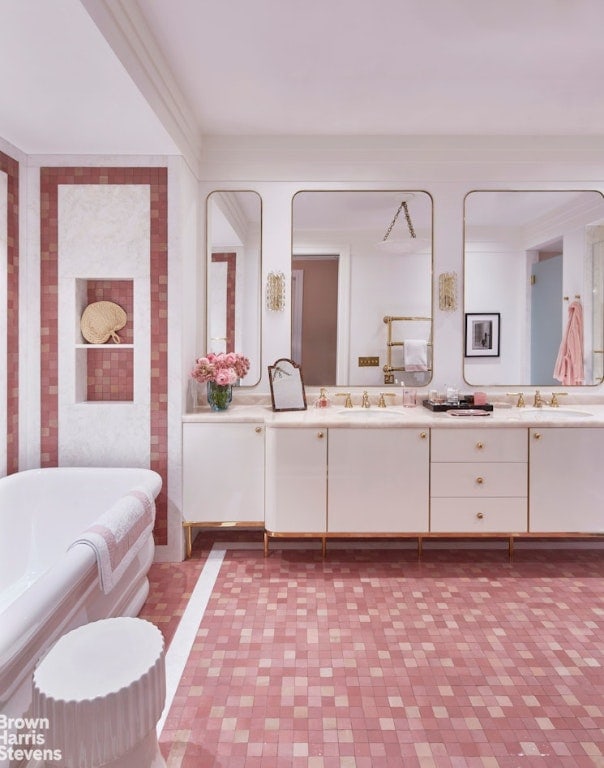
pixel 388 367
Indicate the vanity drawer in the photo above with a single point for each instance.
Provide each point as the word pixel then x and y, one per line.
pixel 479 444
pixel 480 479
pixel 471 515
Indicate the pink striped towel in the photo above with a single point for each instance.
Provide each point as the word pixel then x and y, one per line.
pixel 119 534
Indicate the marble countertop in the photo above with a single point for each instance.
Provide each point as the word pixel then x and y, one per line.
pixel 503 415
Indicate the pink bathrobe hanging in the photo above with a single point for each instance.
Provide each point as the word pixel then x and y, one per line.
pixel 569 364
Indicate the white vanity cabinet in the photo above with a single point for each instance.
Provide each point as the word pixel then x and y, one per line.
pixel 347 481
pixel 378 480
pixel 223 472
pixel 566 485
pixel 478 481
pixel 296 480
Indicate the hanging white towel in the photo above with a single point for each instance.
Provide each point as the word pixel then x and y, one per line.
pixel 119 534
pixel 415 355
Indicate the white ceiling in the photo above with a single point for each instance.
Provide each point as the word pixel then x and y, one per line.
pixel 73 72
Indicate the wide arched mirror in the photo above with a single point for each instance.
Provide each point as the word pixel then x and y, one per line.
pixel 234 268
pixel 533 272
pixel 362 287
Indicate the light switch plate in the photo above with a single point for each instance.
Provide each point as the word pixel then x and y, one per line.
pixel 368 362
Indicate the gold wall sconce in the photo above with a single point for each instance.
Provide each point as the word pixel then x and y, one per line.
pixel 447 291
pixel 275 291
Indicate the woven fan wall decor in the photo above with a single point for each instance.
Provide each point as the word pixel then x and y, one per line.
pixel 100 321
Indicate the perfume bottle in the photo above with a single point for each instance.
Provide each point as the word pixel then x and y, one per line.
pixel 322 401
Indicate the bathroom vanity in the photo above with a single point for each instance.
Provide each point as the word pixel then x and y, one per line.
pixel 396 472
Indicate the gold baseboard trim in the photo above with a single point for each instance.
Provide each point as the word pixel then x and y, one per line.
pixel 188 525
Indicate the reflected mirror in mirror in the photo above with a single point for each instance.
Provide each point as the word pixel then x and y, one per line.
pixel 234 267
pixel 362 287
pixel 529 256
pixel 287 386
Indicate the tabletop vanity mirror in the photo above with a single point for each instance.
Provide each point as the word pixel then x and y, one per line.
pixel 528 257
pixel 287 386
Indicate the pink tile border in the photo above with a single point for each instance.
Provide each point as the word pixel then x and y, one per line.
pixel 11 167
pixel 157 179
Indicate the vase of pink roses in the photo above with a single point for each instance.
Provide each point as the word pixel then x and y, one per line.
pixel 219 371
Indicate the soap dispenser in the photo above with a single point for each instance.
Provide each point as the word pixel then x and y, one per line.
pixel 323 401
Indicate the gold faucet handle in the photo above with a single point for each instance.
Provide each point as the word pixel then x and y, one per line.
pixel 538 400
pixel 348 402
pixel 520 395
pixel 365 400
pixel 382 400
pixel 554 401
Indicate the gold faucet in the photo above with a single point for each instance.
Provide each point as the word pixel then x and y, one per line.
pixel 348 402
pixel 554 401
pixel 382 400
pixel 538 401
pixel 365 400
pixel 520 395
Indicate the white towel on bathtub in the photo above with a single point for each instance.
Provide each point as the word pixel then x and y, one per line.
pixel 119 534
pixel 415 353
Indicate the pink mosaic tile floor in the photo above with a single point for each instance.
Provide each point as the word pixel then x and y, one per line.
pixel 371 659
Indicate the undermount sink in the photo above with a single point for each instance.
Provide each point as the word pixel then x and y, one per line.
pixel 369 414
pixel 552 414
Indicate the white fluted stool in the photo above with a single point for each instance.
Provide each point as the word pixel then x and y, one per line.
pixel 102 688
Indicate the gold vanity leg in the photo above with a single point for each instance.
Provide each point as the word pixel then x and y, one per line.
pixel 420 547
pixel 511 548
pixel 265 544
pixel 189 542
pixel 324 547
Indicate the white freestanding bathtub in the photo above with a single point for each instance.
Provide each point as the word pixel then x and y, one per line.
pixel 47 589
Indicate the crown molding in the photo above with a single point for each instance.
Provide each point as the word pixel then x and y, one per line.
pixel 124 27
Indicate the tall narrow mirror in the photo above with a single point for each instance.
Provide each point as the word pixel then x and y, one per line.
pixel 362 287
pixel 234 268
pixel 533 261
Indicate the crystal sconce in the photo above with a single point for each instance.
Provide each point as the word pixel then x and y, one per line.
pixel 447 291
pixel 275 291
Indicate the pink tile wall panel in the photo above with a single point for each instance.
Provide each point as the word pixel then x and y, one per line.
pixel 110 374
pixel 11 167
pixel 157 180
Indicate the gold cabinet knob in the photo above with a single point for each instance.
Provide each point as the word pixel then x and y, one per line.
pixel 480 515
pixel 479 445
pixel 258 430
pixel 537 435
pixel 480 480
pixel 320 434
pixel 423 435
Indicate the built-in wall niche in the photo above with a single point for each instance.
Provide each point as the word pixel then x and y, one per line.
pixel 105 372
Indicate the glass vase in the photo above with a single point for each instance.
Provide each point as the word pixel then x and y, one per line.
pixel 219 396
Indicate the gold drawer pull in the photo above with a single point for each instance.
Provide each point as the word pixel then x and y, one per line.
pixel 258 430
pixel 480 515
pixel 537 435
pixel 480 446
pixel 320 434
pixel 423 435
pixel 480 480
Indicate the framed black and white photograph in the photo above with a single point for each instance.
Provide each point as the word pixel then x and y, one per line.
pixel 482 334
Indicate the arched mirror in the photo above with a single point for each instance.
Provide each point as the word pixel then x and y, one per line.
pixel 362 287
pixel 234 268
pixel 533 269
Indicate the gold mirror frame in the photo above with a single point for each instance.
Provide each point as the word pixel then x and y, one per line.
pixel 356 228
pixel 529 239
